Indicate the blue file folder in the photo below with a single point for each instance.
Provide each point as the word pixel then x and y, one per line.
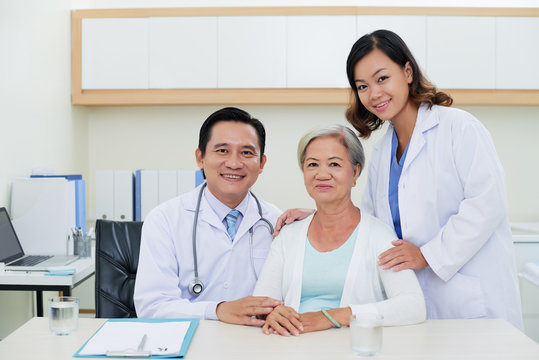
pixel 183 349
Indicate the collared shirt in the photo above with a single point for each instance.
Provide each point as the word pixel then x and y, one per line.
pixel 221 210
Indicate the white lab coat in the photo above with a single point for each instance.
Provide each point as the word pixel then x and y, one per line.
pixel 452 203
pixel 367 288
pixel 166 265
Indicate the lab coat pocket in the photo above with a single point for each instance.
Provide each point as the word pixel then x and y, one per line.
pixel 467 297
pixel 259 257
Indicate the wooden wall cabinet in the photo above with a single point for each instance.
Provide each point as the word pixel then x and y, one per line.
pixel 294 55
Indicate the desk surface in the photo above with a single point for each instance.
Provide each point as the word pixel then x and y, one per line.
pixel 84 268
pixel 448 339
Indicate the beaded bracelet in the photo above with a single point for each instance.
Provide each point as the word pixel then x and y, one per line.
pixel 330 318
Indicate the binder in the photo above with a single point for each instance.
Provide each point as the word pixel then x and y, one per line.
pixel 104 194
pixel 80 196
pixel 122 208
pixel 163 338
pixel 43 211
pixel 168 185
pixel 146 192
pixel 186 181
pixel 114 195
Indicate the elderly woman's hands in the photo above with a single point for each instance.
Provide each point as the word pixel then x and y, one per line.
pixel 283 320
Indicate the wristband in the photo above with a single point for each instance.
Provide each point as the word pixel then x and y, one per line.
pixel 330 318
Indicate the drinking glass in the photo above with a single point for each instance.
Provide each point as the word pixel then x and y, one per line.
pixel 366 334
pixel 63 314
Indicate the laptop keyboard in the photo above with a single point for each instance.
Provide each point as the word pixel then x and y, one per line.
pixel 30 260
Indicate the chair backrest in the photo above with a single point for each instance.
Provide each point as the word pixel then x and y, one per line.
pixel 116 262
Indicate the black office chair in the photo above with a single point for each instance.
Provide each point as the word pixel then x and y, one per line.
pixel 116 262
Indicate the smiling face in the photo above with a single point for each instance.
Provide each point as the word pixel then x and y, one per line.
pixel 383 86
pixel 328 173
pixel 232 161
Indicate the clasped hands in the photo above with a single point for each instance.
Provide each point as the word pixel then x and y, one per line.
pixel 279 318
pixel 284 320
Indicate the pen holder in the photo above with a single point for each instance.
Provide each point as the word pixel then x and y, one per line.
pixel 82 245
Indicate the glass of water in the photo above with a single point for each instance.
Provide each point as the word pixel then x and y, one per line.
pixel 366 334
pixel 63 314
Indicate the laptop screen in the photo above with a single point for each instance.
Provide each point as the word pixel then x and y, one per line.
pixel 10 247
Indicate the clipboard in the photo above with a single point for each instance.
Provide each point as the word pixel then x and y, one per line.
pixel 151 329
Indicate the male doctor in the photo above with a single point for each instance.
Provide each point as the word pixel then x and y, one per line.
pixel 230 232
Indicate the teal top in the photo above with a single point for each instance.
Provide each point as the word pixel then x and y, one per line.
pixel 324 274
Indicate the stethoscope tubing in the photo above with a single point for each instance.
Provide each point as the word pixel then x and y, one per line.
pixel 196 283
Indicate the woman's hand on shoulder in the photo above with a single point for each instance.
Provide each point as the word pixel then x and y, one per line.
pixel 283 320
pixel 404 255
pixel 289 216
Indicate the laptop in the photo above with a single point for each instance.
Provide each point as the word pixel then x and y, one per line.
pixel 12 254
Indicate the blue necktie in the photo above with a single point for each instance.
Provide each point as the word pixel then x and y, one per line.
pixel 231 219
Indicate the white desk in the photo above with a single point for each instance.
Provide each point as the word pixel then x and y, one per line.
pixel 39 282
pixel 434 339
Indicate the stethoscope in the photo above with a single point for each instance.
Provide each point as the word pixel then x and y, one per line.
pixel 196 286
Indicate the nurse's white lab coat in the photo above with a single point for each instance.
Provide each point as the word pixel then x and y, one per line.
pixel 166 265
pixel 452 204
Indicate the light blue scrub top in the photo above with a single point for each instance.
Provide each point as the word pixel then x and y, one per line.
pixel 394 177
pixel 324 274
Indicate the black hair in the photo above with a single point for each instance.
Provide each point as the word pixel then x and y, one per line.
pixel 231 114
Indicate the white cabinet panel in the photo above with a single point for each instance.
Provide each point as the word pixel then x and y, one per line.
pixel 461 52
pixel 183 52
pixel 252 52
pixel 317 50
pixel 412 29
pixel 115 53
pixel 517 53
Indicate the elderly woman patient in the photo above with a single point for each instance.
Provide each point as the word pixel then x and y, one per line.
pixel 325 267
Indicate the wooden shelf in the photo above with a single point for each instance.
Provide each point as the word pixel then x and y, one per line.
pixel 287 96
pixel 280 97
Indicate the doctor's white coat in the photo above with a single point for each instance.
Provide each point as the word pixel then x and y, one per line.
pixel 452 203
pixel 166 265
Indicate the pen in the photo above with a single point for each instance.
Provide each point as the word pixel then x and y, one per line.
pixel 142 342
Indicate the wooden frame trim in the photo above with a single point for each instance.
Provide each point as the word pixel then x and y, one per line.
pixel 306 11
pixel 283 96
pixel 280 97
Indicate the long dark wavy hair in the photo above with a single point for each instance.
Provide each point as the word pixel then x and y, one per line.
pixel 421 89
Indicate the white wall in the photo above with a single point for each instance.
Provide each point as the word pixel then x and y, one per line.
pixel 166 137
pixel 38 125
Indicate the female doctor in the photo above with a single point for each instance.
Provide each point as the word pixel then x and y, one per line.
pixel 435 177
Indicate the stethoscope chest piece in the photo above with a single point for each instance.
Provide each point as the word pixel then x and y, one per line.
pixel 195 287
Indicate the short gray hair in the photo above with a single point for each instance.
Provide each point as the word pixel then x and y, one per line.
pixel 348 138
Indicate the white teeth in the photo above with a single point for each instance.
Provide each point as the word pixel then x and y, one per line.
pixel 382 104
pixel 232 176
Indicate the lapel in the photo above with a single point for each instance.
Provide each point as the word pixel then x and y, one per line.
pixel 426 120
pixel 250 217
pixel 383 210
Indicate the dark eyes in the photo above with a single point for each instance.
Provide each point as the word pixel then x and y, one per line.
pixel 379 80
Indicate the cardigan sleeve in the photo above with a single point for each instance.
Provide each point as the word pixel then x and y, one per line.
pixel 270 281
pixel 405 303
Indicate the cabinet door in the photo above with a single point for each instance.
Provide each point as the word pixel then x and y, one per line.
pixel 115 53
pixel 317 49
pixel 412 29
pixel 183 52
pixel 461 52
pixel 252 52
pixel 517 53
